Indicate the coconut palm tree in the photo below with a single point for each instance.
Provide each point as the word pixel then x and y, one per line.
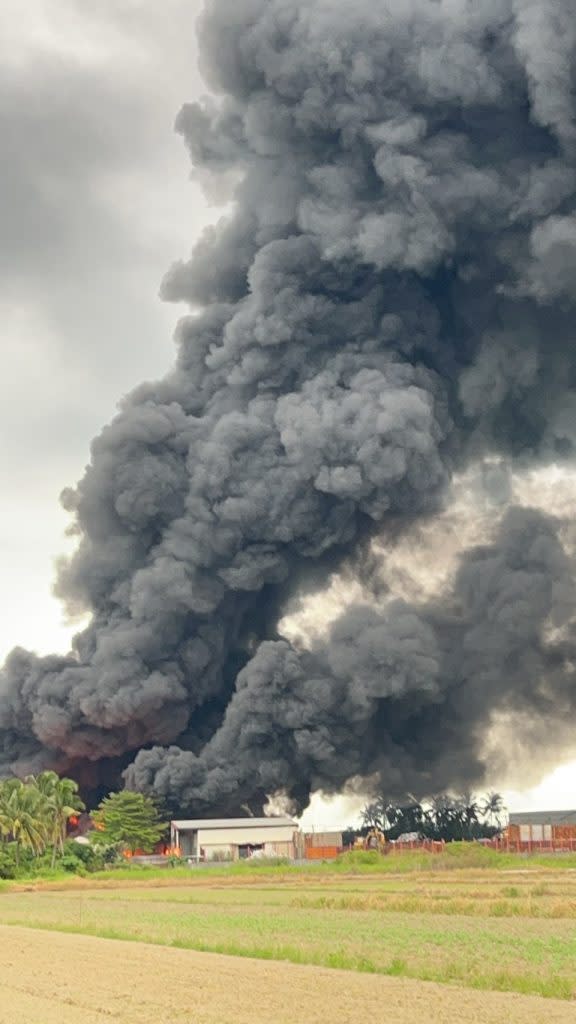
pixel 371 815
pixel 61 800
pixel 470 811
pixel 493 808
pixel 446 818
pixel 22 817
pixel 377 814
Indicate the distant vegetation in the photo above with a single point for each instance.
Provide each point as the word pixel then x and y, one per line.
pixel 451 819
pixel 34 817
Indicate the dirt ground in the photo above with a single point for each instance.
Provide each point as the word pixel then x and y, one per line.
pixel 53 978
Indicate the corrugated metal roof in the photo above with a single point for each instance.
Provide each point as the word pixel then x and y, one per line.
pixel 543 818
pixel 195 823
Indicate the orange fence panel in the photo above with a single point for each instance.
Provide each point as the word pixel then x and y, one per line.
pixel 321 852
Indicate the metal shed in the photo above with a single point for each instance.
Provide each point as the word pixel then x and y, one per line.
pixel 233 838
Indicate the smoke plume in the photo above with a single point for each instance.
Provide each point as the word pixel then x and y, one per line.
pixel 390 301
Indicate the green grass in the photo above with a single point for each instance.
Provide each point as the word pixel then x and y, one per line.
pixel 481 928
pixel 456 857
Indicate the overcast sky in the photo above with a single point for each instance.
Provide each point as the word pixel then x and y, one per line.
pixel 96 203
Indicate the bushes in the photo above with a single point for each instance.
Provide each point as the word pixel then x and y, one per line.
pixel 83 858
pixel 8 868
pixel 77 859
pixel 465 855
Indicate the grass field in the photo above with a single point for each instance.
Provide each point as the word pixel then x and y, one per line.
pixel 491 927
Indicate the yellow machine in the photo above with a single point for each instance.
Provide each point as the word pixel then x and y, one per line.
pixel 374 840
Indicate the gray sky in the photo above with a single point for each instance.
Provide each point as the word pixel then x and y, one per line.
pixel 96 203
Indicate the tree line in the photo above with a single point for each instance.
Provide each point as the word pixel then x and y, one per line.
pixel 464 817
pixel 35 813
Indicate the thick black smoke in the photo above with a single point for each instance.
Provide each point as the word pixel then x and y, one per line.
pixel 406 692
pixel 391 299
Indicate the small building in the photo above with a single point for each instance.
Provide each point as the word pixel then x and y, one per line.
pixel 234 838
pixel 541 826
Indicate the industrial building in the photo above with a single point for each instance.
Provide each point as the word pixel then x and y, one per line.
pixel 234 838
pixel 205 839
pixel 541 826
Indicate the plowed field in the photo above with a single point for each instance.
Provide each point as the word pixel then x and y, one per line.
pixel 54 978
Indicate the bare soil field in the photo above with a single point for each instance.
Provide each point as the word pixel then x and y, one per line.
pixel 54 978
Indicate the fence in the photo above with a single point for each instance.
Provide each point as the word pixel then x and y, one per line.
pixel 427 845
pixel 321 852
pixel 533 845
pixel 502 845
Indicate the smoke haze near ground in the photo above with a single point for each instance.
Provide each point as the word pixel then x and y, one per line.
pixel 389 302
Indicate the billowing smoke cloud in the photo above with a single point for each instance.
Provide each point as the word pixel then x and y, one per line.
pixel 391 299
pixel 405 692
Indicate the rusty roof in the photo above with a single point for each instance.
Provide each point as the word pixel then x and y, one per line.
pixel 542 817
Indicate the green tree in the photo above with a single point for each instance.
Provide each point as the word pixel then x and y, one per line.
pixel 23 817
pixel 444 817
pixel 493 809
pixel 60 801
pixel 372 815
pixel 469 811
pixel 129 818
